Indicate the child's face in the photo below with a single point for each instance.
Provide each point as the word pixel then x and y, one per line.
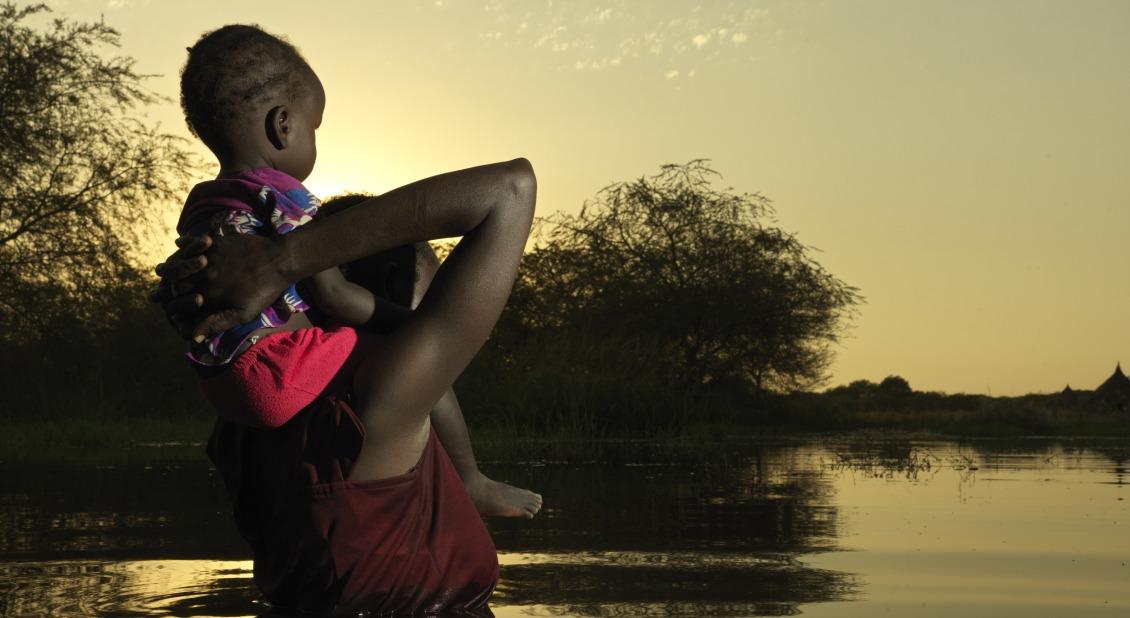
pixel 298 158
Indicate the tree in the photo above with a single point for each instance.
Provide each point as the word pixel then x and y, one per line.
pixel 895 385
pixel 79 173
pixel 671 258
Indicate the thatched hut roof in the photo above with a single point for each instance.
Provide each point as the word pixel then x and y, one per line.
pixel 1115 391
pixel 1117 380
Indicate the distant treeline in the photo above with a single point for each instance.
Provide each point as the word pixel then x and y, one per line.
pixel 893 405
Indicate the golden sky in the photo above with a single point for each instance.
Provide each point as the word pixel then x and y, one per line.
pixel 965 163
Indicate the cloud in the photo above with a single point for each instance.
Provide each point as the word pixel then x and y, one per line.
pixel 672 74
pixel 597 65
pixel 602 34
pixel 549 36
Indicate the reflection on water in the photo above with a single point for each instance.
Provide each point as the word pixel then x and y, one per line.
pixel 129 588
pixel 847 527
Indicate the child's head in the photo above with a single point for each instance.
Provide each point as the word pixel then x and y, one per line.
pixel 250 96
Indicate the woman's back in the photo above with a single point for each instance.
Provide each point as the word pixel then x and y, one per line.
pixel 404 545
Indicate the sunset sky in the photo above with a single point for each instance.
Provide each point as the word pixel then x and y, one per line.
pixel 966 164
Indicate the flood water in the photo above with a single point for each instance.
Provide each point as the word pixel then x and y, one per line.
pixel 816 526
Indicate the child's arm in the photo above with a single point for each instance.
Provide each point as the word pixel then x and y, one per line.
pixel 351 304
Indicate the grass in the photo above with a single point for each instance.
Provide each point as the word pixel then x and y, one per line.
pixel 115 439
pixel 104 439
pixel 695 442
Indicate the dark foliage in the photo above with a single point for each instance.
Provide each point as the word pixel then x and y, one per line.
pixel 693 274
pixel 80 174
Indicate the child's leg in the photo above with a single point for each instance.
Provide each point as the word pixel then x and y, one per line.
pixel 492 498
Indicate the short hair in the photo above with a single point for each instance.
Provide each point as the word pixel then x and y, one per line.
pixel 338 203
pixel 390 274
pixel 232 70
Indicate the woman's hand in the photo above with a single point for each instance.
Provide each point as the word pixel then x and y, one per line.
pixel 181 307
pixel 231 277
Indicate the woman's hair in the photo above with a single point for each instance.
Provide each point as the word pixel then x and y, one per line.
pixel 337 203
pixel 233 70
pixel 390 274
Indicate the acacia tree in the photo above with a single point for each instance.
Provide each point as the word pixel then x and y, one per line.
pixel 79 172
pixel 671 258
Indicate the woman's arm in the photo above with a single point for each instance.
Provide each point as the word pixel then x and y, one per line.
pixel 399 384
pixel 352 304
pixel 238 275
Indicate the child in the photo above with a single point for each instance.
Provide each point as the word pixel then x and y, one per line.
pixel 256 103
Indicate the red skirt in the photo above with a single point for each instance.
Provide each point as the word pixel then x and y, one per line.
pixel 284 372
pixel 408 545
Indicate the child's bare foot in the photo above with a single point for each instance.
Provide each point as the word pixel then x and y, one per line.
pixel 496 499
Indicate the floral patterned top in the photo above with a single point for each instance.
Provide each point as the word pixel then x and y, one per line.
pixel 261 201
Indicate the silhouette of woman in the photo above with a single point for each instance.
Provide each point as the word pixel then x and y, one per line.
pixel 345 509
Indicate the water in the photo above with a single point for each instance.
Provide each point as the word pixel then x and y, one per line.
pixel 822 527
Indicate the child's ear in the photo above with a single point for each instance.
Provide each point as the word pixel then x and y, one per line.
pixel 278 127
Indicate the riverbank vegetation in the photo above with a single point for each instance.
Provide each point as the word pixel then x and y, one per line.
pixel 83 394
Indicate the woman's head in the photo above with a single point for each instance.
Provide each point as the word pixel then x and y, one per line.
pixel 390 274
pixel 246 91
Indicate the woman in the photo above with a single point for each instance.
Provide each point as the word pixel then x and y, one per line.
pixel 357 510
